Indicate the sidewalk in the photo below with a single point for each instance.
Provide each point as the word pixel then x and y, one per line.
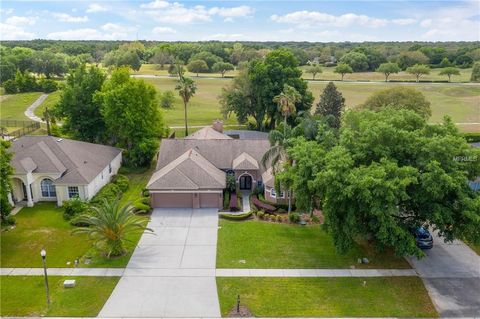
pixel 30 111
pixel 199 272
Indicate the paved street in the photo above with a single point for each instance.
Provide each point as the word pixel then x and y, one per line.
pixel 451 273
pixel 171 273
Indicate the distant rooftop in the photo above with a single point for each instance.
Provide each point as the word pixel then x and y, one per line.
pixel 247 135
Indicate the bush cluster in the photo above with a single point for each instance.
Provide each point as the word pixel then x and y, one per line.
pixel 236 216
pixel 121 181
pixel 294 217
pixel 24 82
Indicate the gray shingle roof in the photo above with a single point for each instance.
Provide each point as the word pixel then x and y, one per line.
pixel 246 134
pixel 220 153
pixel 77 162
pixel 190 171
pixel 208 133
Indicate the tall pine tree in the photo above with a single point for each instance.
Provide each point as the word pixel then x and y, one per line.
pixel 331 105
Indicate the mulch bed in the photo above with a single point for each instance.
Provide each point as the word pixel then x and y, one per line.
pixel 244 312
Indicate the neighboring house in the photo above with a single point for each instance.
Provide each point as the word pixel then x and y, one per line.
pixel 55 169
pixel 191 172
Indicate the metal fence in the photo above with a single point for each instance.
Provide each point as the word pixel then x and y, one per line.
pixel 22 127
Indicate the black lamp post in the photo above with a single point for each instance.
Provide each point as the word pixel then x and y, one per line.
pixel 43 253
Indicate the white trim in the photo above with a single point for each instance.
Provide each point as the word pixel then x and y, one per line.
pixel 246 173
pixel 272 191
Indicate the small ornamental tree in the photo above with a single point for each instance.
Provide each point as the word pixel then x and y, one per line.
pixel 418 70
pixel 197 66
pixel 449 72
pixel 222 67
pixel 388 68
pixel 331 105
pixel 475 77
pixel 342 69
pixel 6 171
pixel 314 69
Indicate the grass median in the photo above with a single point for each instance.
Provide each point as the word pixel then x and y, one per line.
pixel 25 296
pixel 327 297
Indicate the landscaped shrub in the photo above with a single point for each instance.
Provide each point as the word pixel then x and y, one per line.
pixel 315 219
pixel 142 205
pixel 9 221
pixel 145 192
pixel 260 214
pixel 121 181
pixel 294 218
pixel 279 218
pixel 110 192
pixel 231 183
pixel 74 207
pixel 226 200
pixel 236 216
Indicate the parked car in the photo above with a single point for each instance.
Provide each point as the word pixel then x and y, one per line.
pixel 423 238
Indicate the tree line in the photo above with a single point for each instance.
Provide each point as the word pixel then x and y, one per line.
pixel 55 58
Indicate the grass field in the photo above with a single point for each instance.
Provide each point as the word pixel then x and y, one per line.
pixel 49 102
pixel 461 102
pixel 329 75
pixel 271 245
pixel 203 107
pixel 327 297
pixel 13 106
pixel 25 296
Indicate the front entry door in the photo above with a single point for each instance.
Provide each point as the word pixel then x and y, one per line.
pixel 245 182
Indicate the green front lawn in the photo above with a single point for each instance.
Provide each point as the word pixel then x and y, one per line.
pixel 13 106
pixel 50 102
pixel 43 226
pixel 25 296
pixel 327 297
pixel 272 245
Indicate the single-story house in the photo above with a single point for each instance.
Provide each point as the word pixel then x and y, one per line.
pixel 191 172
pixel 48 168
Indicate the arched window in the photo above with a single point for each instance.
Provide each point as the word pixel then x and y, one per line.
pixel 48 189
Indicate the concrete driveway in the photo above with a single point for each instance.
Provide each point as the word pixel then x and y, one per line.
pixel 451 273
pixel 171 273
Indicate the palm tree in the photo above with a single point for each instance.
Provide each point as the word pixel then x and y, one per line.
pixel 186 88
pixel 277 153
pixel 286 102
pixel 109 225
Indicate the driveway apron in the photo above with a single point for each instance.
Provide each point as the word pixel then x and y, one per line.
pixel 171 273
pixel 451 273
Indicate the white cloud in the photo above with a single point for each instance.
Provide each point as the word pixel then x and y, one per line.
pixel 234 12
pixel 452 23
pixel 13 32
pixel 95 7
pixel 6 11
pixel 224 36
pixel 86 34
pixel 157 4
pixel 311 18
pixel 65 17
pixel 114 27
pixel 163 30
pixel 16 20
pixel 404 21
pixel 178 13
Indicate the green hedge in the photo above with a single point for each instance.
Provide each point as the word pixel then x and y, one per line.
pixel 109 192
pixel 236 216
pixel 472 137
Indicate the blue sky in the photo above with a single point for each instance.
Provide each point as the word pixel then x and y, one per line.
pixel 321 21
